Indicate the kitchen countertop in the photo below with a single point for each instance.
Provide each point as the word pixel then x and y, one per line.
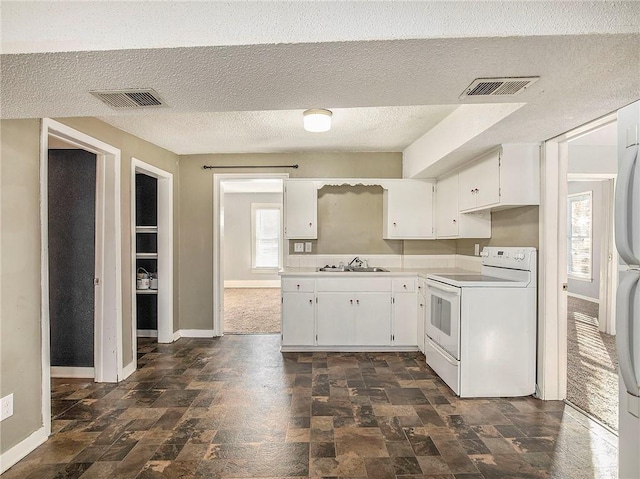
pixel 379 274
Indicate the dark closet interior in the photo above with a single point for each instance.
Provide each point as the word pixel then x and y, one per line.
pixel 72 224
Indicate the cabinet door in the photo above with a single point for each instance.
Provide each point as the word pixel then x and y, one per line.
pixel 336 319
pixel 467 186
pixel 373 319
pixel 422 309
pixel 408 210
pixel 298 319
pixel 301 209
pixel 405 314
pixel 487 176
pixel 447 207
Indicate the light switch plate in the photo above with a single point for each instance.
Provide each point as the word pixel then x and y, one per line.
pixel 298 247
pixel 307 247
pixel 6 407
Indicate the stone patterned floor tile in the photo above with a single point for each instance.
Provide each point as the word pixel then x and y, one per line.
pixel 235 407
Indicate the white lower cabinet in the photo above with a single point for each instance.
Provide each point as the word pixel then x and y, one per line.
pixel 422 313
pixel 298 319
pixel 298 311
pixel 354 319
pixel 405 310
pixel 376 312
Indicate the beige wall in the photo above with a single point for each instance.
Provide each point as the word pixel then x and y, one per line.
pixel 132 146
pixel 196 219
pixel 512 227
pixel 20 348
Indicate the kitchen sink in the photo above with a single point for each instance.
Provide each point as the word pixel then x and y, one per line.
pixel 353 269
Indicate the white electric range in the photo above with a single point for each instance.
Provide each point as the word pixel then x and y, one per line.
pixel 481 328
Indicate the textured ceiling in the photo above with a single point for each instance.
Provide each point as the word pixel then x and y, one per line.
pixel 353 129
pixel 56 26
pixel 246 92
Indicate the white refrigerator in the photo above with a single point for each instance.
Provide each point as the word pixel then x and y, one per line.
pixel 627 232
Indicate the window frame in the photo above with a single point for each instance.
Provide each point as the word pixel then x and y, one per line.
pixel 570 198
pixel 265 206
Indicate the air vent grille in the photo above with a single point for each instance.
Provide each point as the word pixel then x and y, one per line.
pixel 130 98
pixel 498 86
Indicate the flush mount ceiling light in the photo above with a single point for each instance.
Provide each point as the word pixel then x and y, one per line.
pixel 317 120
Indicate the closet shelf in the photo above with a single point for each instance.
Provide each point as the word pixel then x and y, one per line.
pixel 146 291
pixel 146 255
pixel 146 229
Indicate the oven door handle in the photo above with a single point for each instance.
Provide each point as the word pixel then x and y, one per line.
pixel 442 287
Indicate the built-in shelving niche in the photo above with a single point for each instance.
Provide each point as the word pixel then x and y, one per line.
pixel 147 252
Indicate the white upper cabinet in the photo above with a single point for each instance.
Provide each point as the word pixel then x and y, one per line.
pixel 408 210
pixel 300 209
pixel 450 223
pixel 505 178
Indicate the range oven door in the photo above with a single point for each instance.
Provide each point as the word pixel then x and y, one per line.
pixel 443 322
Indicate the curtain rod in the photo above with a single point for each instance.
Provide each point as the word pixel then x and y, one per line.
pixel 211 167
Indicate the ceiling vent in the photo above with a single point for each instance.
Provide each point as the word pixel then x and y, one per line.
pixel 130 98
pixel 498 86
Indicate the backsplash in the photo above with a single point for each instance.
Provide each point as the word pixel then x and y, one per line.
pixel 472 263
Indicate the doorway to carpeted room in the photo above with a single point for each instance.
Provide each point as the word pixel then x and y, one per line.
pixel 252 310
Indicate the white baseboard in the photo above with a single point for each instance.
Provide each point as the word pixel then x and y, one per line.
pixel 586 298
pixel 22 449
pixel 176 335
pixel 147 333
pixel 129 369
pixel 72 372
pixel 195 333
pixel 252 283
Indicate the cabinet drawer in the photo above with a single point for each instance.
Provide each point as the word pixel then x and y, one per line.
pixel 302 285
pixel 354 284
pixel 447 368
pixel 404 285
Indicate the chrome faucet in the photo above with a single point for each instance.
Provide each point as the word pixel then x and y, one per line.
pixel 357 261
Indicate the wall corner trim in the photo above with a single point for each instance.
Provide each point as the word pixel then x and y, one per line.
pixel 176 335
pixel 22 449
pixel 129 369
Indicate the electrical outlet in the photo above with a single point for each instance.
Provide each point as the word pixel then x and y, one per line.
pixel 6 407
pixel 476 250
pixel 298 247
pixel 307 247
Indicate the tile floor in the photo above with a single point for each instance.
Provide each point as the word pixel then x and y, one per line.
pixel 235 407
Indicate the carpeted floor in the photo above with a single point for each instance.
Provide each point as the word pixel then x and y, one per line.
pixel 252 310
pixel 592 376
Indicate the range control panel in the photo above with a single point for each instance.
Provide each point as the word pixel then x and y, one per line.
pixel 509 257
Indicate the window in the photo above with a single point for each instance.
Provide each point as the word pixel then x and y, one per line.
pixel 579 236
pixel 266 249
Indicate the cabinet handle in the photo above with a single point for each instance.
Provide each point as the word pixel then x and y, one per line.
pixel 476 190
pixel 394 225
pixel 472 191
pixel 357 301
pixel 310 224
pixel 404 286
pixel 311 301
pixel 298 286
pixel 351 301
pixel 455 221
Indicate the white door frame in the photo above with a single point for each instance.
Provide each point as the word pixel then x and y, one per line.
pixel 108 290
pixel 608 254
pixel 552 300
pixel 165 250
pixel 218 258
